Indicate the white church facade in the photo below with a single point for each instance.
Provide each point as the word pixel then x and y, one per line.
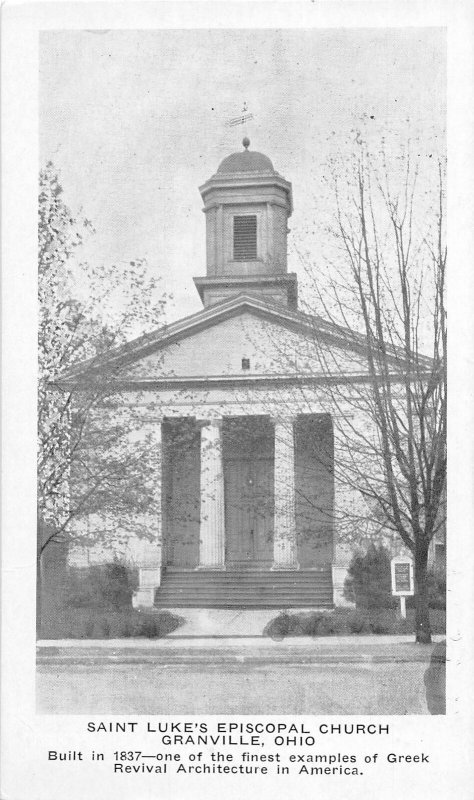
pixel 247 495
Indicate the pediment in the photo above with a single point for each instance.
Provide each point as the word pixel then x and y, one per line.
pixel 273 341
pixel 269 348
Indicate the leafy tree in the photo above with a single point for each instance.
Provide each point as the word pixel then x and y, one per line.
pixel 87 438
pixel 368 581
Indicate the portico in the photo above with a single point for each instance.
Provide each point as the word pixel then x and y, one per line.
pixel 236 496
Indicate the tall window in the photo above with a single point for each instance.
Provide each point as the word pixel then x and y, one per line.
pixel 245 238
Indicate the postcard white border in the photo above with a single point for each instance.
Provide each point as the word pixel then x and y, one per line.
pixel 450 738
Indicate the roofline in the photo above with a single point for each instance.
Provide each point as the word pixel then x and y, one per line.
pixel 250 179
pixel 148 343
pixel 219 381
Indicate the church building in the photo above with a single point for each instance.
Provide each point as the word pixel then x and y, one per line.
pixel 248 499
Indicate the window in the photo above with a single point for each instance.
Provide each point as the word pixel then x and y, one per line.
pixel 246 363
pixel 245 238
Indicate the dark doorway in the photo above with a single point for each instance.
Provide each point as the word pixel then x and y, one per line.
pixel 181 501
pixel 314 470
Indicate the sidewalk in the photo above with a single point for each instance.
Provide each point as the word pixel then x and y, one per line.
pixel 239 650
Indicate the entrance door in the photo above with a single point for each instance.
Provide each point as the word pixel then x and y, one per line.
pixel 249 512
pixel 248 482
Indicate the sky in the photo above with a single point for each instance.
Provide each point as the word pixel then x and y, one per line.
pixel 135 121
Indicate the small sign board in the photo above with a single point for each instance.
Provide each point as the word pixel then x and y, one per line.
pixel 402 576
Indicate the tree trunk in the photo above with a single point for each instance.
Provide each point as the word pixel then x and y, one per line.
pixel 39 590
pixel 422 612
pixel 39 574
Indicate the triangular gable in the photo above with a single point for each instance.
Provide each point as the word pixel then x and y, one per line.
pixel 265 345
pixel 213 342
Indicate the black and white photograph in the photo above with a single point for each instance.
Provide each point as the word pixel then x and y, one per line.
pixel 240 374
pixel 242 412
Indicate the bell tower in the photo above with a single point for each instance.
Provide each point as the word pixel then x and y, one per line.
pixel 247 205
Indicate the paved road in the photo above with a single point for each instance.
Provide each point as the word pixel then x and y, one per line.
pixel 147 688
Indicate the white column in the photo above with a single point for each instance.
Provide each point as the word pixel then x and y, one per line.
pixel 284 532
pixel 149 572
pixel 211 535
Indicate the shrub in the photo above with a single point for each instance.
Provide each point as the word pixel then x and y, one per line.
pixel 89 628
pixel 105 628
pixel 279 627
pixel 126 630
pixel 324 627
pixel 154 626
pixel 147 627
pixel 342 621
pixel 90 623
pixel 358 623
pixel 168 622
pixel 117 586
pixel 381 626
pixel 332 625
pixel 106 586
pixel 297 625
pixel 368 582
pixel 312 624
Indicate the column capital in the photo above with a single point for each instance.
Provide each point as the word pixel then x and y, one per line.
pixel 204 422
pixel 283 419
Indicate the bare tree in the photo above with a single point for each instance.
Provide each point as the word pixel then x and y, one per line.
pixel 383 294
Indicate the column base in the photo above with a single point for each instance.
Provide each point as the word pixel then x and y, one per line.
pixel 284 567
pixel 339 574
pixel 211 567
pixel 149 580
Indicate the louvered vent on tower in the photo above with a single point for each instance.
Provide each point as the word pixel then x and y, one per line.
pixel 245 238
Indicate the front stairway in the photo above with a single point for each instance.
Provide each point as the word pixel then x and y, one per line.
pixel 304 588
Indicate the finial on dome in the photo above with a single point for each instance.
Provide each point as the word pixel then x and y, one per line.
pixel 246 142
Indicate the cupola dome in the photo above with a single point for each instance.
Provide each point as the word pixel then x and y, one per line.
pixel 246 161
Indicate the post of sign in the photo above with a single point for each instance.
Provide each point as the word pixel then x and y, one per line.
pixel 403 607
pixel 402 581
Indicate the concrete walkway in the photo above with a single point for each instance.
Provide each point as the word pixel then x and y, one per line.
pixel 222 622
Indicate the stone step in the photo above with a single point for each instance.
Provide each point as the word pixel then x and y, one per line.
pixel 249 577
pixel 241 584
pixel 250 589
pixel 246 589
pixel 170 571
pixel 238 605
pixel 302 599
pixel 222 602
pixel 248 585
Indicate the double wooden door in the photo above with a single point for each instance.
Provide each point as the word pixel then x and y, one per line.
pixel 249 511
